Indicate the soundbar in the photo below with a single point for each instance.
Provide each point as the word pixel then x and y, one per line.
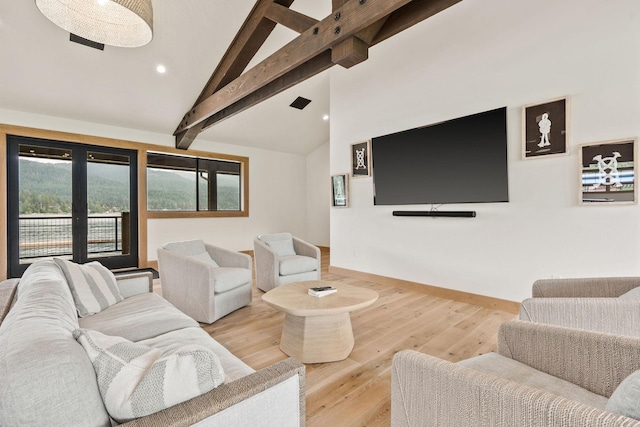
pixel 452 214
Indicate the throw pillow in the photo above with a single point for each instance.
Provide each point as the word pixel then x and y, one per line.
pixel 624 399
pixel 136 380
pixel 281 243
pixel 633 293
pixel 92 285
pixel 205 257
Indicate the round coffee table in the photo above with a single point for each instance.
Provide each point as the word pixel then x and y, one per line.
pixel 318 329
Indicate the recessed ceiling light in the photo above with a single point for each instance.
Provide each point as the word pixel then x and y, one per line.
pixel 325 117
pixel 161 69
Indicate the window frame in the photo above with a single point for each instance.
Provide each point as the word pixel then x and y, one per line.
pixel 244 187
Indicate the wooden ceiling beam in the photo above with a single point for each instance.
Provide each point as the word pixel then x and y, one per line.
pixel 254 32
pixel 342 39
pixel 310 68
pixel 354 16
pixel 289 18
pixel 409 15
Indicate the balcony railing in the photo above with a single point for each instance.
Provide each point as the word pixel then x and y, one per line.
pixel 51 235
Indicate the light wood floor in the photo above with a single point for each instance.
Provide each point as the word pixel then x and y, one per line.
pixel 357 390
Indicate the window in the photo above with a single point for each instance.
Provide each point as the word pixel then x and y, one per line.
pixel 193 184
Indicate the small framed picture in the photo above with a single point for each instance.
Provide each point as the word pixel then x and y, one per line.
pixel 360 159
pixel 545 129
pixel 608 172
pixel 339 191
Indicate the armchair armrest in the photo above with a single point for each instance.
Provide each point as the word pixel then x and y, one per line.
pixel 595 361
pixel 134 283
pixel 8 290
pixel 427 391
pixel 612 315
pixel 306 249
pixel 593 287
pixel 267 265
pixel 211 406
pixel 226 258
pixel 176 270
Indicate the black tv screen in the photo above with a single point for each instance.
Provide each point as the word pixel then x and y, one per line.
pixel 463 160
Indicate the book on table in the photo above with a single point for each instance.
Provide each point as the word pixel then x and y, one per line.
pixel 322 291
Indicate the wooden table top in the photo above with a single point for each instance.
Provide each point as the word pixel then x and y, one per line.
pixel 293 298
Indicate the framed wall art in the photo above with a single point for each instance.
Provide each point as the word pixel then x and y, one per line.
pixel 545 129
pixel 339 191
pixel 608 172
pixel 361 159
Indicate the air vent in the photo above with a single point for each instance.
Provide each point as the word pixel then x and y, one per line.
pixel 80 40
pixel 300 103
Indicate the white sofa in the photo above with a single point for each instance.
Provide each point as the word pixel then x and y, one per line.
pixel 47 378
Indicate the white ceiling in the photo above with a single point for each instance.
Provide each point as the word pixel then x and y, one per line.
pixel 42 72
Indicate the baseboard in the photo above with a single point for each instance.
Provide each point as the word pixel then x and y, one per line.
pixel 460 296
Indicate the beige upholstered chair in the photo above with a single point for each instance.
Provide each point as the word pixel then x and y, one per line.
pixel 282 258
pixel 204 281
pixel 542 375
pixel 605 304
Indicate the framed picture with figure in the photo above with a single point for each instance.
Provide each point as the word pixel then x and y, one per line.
pixel 360 159
pixel 339 191
pixel 545 129
pixel 608 172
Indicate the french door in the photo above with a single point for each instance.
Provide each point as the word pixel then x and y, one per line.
pixel 71 201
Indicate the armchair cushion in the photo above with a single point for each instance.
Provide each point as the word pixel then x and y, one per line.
pixel 136 380
pixel 205 257
pixel 281 243
pixel 504 367
pixel 92 286
pixel 625 397
pixel 230 278
pixel 297 264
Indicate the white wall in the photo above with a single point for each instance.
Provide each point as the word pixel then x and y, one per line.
pixel 278 193
pixel 479 55
pixel 318 196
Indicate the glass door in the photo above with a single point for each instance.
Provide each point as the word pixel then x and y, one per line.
pixel 70 201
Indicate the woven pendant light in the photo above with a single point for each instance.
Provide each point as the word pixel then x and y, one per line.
pixel 123 23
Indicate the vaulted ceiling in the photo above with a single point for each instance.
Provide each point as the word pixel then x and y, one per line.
pixel 42 72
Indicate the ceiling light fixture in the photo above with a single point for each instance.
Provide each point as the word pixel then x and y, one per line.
pixel 161 69
pixel 325 117
pixel 122 23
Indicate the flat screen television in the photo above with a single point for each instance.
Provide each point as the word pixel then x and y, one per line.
pixel 463 160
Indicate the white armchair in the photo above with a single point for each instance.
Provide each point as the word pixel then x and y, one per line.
pixel 605 304
pixel 542 375
pixel 204 281
pixel 282 258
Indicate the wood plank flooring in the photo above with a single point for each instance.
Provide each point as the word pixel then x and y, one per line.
pixel 357 390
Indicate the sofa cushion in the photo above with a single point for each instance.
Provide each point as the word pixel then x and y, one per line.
pixel 233 367
pixel 138 317
pixel 281 243
pixel 92 285
pixel 624 399
pixel 136 380
pixel 227 278
pixel 297 264
pixel 45 375
pixel 504 367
